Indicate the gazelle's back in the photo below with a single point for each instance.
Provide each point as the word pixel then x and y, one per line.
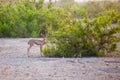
pixel 37 42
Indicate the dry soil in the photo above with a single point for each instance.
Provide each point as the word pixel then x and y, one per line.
pixel 15 65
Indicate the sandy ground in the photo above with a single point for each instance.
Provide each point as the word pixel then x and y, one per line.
pixel 15 65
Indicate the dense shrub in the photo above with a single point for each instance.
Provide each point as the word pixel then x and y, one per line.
pixel 86 37
pixel 20 19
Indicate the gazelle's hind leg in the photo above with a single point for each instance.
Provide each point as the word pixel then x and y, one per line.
pixel 28 50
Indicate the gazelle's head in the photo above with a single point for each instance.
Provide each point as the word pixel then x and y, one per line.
pixel 43 35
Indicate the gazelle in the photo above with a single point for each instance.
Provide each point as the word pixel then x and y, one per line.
pixel 40 43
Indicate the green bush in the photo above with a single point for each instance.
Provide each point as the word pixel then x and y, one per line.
pixel 19 19
pixel 50 50
pixel 85 37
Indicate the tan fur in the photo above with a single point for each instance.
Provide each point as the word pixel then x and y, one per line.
pixel 36 42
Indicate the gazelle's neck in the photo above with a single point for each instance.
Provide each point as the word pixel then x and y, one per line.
pixel 43 39
pixel 43 36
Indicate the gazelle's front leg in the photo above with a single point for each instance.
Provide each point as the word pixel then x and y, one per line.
pixel 41 50
pixel 28 51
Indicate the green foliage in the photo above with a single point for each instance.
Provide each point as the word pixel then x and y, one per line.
pixel 20 19
pixel 94 8
pixel 86 37
pixel 49 51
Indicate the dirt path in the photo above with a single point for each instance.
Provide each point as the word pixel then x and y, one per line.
pixel 14 65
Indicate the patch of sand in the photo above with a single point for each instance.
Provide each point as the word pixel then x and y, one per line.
pixel 15 65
